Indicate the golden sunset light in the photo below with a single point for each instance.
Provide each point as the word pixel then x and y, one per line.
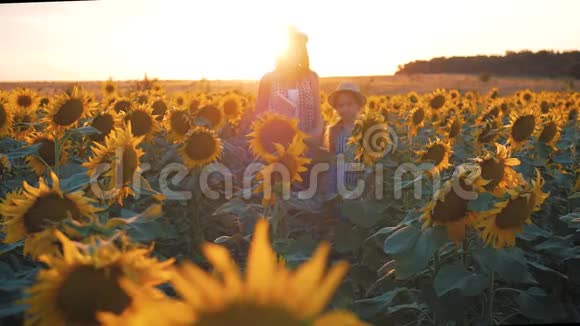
pixel 92 40
pixel 289 162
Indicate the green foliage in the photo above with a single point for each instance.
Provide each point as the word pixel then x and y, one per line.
pixel 455 276
pixel 400 273
pixel 369 308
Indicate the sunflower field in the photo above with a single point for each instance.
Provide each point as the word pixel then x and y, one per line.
pixel 143 207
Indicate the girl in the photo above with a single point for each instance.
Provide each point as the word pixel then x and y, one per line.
pixel 292 89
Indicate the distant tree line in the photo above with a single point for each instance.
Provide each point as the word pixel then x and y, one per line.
pixel 523 63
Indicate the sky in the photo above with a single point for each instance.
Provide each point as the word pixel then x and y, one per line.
pixel 239 39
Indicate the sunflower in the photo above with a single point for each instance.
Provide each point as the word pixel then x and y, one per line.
pixel 121 152
pixel 4 165
pixel 157 89
pixel 500 224
pixel 416 120
pixel 46 152
pixel 545 107
pixel 194 101
pixel 505 108
pixel 437 99
pixel 143 122
pixel 449 206
pixel 469 103
pixel 199 147
pixel 573 114
pixel 454 95
pixel 23 121
pixel 141 97
pixel 372 102
pixel 160 108
pixel 24 99
pixel 323 97
pixel 437 152
pixel 435 117
pixel 550 130
pixel 526 97
pixel 385 112
pixel 122 104
pixel 522 126
pixel 32 214
pixel 452 128
pixel 413 98
pixel 178 122
pixel 288 159
pixel 84 281
pixel 104 121
pixel 496 172
pixel 67 109
pixel 44 102
pixel 371 137
pixel 329 114
pixel 6 116
pixel 491 113
pixel 270 129
pixel 179 99
pixel 109 89
pixel 487 133
pixel 232 108
pixel 445 117
pixel 211 116
pixel 493 93
pixel 268 294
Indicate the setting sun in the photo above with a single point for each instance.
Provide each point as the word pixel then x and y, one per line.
pixel 123 39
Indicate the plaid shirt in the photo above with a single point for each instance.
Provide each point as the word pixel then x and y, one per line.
pixel 271 92
pixel 336 140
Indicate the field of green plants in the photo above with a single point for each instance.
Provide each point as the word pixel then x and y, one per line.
pixel 139 207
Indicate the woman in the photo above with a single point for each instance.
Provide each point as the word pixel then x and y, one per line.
pixel 292 89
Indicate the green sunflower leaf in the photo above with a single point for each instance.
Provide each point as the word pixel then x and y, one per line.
pixel 85 131
pixel 509 264
pixel 534 303
pixel 401 240
pixel 454 276
pixel 483 202
pixel 369 308
pixel 24 151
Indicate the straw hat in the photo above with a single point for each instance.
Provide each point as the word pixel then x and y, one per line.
pixel 350 88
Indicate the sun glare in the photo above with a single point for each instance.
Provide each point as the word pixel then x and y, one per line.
pixel 225 39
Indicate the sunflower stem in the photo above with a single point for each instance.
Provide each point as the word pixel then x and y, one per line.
pixel 573 151
pixel 436 264
pixel 57 149
pixel 57 156
pixel 196 227
pixel 491 296
pixel 464 248
pixel 279 219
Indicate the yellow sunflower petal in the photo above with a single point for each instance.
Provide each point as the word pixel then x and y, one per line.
pixel 342 318
pixel 326 288
pixel 261 268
